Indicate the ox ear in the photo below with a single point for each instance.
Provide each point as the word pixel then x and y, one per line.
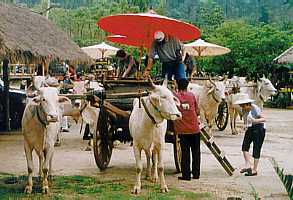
pixel 151 82
pixel 165 82
pixel 63 99
pixel 36 100
pixel 177 101
pixel 225 78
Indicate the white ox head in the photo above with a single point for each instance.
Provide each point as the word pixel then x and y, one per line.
pixel 216 90
pixel 164 101
pixel 265 88
pixel 48 100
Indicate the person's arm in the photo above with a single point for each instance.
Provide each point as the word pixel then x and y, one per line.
pixel 194 70
pixel 254 120
pixel 182 51
pixel 151 55
pixel 118 71
pixel 196 106
pixel 148 67
pixel 130 64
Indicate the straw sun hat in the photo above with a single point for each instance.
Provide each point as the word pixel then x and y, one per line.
pixel 243 98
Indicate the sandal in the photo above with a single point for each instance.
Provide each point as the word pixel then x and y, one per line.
pixel 243 170
pixel 250 173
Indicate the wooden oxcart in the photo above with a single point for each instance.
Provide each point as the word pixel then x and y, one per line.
pixel 116 103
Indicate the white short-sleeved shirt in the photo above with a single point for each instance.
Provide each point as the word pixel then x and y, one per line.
pixel 253 114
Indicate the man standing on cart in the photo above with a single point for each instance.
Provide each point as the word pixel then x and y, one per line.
pixel 170 51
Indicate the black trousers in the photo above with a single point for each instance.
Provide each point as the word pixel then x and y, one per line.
pixel 255 135
pixel 190 142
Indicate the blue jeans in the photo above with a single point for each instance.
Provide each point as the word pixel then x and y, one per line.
pixel 173 68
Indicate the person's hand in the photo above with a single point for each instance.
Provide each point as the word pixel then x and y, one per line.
pixel 146 73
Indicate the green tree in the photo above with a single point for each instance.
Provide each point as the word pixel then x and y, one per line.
pixel 253 48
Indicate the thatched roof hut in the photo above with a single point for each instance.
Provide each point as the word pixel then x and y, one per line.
pixel 285 57
pixel 28 37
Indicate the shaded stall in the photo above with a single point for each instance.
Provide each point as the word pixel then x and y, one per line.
pixel 284 78
pixel 28 37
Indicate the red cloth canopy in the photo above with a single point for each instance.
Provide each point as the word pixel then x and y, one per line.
pixel 142 26
pixel 128 41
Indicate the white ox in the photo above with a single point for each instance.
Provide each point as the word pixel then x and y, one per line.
pixel 209 97
pixel 148 125
pixel 40 126
pixel 259 91
pixel 262 92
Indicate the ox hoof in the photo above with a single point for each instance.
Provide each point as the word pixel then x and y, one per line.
pixel 154 179
pixel 136 190
pixel 148 178
pixel 164 189
pixel 57 143
pixel 88 148
pixel 28 189
pixel 45 189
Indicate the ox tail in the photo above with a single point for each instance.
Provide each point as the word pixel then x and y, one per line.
pixel 81 126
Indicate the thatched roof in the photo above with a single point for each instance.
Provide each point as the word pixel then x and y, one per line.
pixel 285 57
pixel 28 37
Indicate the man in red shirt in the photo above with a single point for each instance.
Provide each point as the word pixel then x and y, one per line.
pixel 189 132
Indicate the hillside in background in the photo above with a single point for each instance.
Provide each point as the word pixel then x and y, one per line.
pixel 255 30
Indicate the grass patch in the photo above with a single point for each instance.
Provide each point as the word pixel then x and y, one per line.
pixel 82 187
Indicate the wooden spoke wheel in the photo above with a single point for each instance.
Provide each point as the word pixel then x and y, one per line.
pixel 222 116
pixel 177 152
pixel 102 140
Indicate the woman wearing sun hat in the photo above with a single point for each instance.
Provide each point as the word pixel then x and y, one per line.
pixel 255 133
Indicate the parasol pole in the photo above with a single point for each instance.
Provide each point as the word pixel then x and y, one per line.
pixel 6 94
pixel 48 8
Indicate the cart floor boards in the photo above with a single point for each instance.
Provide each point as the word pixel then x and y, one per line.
pixel 217 152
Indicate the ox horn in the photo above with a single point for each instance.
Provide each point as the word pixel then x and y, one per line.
pixel 151 82
pixel 165 82
pixel 63 99
pixel 212 81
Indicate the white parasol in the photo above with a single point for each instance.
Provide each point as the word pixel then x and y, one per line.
pixel 100 50
pixel 202 48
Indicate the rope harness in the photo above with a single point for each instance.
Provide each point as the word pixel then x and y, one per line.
pixel 41 115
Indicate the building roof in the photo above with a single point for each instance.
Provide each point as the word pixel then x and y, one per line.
pixel 28 37
pixel 285 57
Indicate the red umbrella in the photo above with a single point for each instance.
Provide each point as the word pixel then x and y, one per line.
pixel 120 39
pixel 142 26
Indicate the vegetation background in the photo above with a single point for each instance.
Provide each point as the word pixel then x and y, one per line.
pixel 255 30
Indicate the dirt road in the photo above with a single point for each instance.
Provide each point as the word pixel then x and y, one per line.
pixel 71 159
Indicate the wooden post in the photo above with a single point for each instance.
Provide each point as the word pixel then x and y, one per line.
pixel 6 94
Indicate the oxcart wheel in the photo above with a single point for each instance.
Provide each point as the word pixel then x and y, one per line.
pixel 102 143
pixel 177 153
pixel 222 116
